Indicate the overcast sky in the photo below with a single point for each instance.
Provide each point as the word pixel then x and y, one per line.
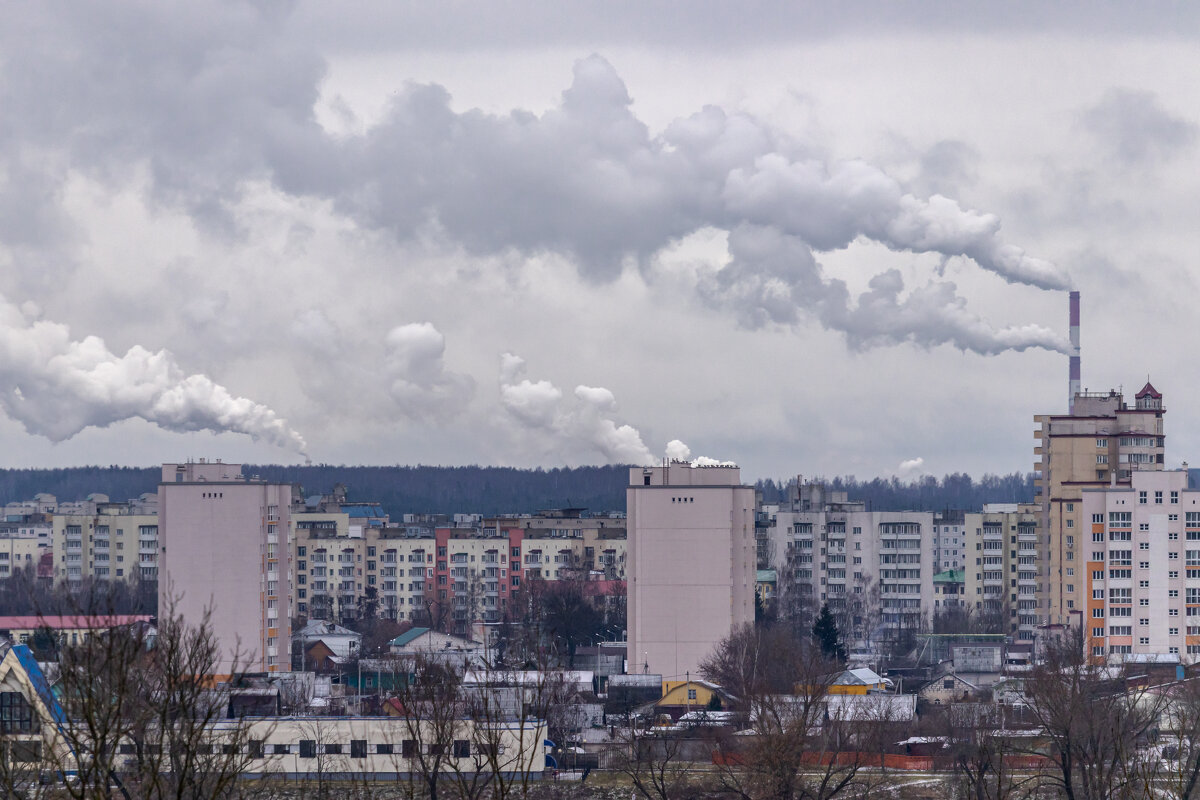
pixel 809 238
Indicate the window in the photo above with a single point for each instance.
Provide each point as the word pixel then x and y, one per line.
pixel 1172 631
pixel 280 749
pixel 16 715
pixel 1158 498
pixel 358 748
pixel 408 748
pixel 462 748
pixel 301 551
pixel 1102 459
pixel 1143 640
pixel 1102 443
pixel 1141 498
pixel 308 748
pixel 256 748
pixel 333 749
pixel 1174 498
pixel 691 694
pixel 1143 545
pixel 384 749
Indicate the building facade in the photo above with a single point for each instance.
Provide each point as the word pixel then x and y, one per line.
pixel 1140 562
pixel 691 563
pixel 873 568
pixel 1003 579
pixel 102 540
pixel 1104 441
pixel 224 542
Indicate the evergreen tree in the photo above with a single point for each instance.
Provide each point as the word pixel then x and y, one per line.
pixel 826 636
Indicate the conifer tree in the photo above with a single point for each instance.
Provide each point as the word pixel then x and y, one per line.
pixel 826 636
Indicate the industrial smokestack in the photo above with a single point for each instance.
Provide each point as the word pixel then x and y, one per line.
pixel 1073 375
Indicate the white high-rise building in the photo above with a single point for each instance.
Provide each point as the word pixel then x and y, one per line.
pixel 691 563
pixel 874 569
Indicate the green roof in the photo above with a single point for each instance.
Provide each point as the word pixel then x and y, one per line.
pixel 950 576
pixel 408 636
pixel 765 576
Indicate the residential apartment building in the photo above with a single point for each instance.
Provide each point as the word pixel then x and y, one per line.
pixel 829 549
pixel 448 577
pixel 1140 567
pixel 101 540
pixel 1103 441
pixel 691 563
pixel 949 544
pixel 1003 579
pixel 225 548
pixel 23 540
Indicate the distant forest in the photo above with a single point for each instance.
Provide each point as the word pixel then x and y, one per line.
pixel 953 492
pixel 499 490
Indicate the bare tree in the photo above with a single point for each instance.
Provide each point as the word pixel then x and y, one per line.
pixel 1094 723
pixel 142 720
pixel 802 746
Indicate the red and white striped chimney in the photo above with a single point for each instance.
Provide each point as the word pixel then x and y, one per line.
pixel 1073 375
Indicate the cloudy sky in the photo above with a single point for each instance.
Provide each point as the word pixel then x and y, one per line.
pixel 809 238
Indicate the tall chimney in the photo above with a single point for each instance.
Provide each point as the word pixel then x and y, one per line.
pixel 1073 376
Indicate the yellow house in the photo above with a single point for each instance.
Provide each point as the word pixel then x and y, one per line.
pixel 680 697
pixel 855 681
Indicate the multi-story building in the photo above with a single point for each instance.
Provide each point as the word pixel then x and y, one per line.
pixel 24 538
pixel 1103 441
pixel 448 577
pixel 224 552
pixel 100 540
pixel 691 563
pixel 828 549
pixel 949 545
pixel 1140 567
pixel 1003 579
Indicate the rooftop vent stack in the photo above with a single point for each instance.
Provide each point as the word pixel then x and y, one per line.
pixel 1073 376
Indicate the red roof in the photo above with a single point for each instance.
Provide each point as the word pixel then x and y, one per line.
pixel 1150 391
pixel 69 622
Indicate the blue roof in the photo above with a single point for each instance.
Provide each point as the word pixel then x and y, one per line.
pixel 364 511
pixel 40 684
pixel 408 636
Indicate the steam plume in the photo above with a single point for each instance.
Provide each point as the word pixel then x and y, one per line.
pixel 56 387
pixel 539 407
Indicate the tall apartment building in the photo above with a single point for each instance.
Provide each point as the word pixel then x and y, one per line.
pixel 1003 580
pixel 1140 567
pixel 225 550
pixel 1103 441
pixel 691 563
pixel 101 540
pixel 829 549
pixel 949 540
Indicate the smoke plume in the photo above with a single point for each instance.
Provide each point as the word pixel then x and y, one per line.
pixel 540 408
pixel 56 386
pixel 678 451
pixel 586 179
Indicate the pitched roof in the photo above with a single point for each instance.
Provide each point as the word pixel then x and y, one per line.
pixel 408 636
pixel 1150 391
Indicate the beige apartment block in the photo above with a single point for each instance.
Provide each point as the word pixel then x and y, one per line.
pixel 225 551
pixel 102 540
pixel 23 541
pixel 1140 568
pixel 1103 442
pixel 1003 579
pixel 691 563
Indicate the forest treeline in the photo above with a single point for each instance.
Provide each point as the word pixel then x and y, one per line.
pixel 498 490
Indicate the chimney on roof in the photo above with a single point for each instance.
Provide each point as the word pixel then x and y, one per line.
pixel 1073 364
